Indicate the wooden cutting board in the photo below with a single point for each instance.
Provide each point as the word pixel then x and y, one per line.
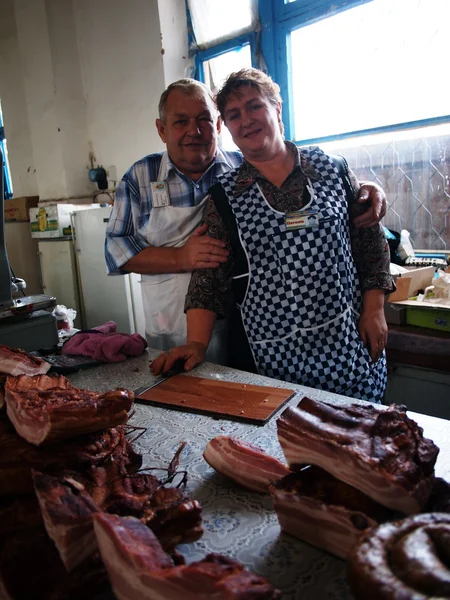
pixel 236 401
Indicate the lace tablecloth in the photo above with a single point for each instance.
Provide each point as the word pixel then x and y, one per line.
pixel 239 523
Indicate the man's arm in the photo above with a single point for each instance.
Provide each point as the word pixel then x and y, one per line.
pixel 199 252
pixel 126 251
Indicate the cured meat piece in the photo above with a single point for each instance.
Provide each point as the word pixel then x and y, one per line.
pixel 244 463
pixel 67 511
pixel 381 452
pixel 317 508
pixel 139 568
pixel 47 409
pixel 69 502
pixel 18 457
pixel 406 559
pixel 14 361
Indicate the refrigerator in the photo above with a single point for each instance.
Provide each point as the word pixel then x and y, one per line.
pixel 59 273
pixel 102 297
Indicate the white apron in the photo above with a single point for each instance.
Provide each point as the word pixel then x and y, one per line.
pixel 164 294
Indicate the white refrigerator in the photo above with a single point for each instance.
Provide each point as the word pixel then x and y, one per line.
pixel 104 298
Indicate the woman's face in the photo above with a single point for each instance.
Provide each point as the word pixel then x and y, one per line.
pixel 254 123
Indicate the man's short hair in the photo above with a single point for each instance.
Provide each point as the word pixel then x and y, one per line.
pixel 185 86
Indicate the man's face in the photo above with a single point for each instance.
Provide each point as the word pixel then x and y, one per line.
pixel 190 131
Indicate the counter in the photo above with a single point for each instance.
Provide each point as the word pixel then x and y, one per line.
pixel 239 523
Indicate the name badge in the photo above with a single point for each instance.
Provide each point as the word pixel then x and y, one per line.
pixel 302 219
pixel 160 194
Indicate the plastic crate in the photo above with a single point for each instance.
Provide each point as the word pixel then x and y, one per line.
pixel 433 318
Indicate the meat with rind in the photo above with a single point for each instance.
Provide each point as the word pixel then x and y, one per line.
pixel 138 567
pixel 47 409
pixel 14 361
pixel 18 457
pixel 69 502
pixel 246 464
pixel 317 508
pixel 381 452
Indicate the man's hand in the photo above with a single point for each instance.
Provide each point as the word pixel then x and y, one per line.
pixel 373 194
pixel 192 354
pixel 201 251
pixel 372 324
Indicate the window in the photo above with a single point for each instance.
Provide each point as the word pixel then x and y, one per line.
pixel 224 42
pixel 8 192
pixel 365 78
pixel 332 58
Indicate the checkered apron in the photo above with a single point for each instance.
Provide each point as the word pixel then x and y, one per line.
pixel 301 307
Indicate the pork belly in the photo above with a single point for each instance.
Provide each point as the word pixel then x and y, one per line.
pixel 315 507
pixel 14 361
pixel 18 457
pixel 244 463
pixel 69 502
pixel 138 567
pixel 380 452
pixel 46 409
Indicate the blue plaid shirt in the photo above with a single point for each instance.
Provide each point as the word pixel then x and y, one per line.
pixel 126 229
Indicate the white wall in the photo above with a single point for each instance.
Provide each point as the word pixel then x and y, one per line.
pixel 80 82
pixel 12 97
pixel 120 55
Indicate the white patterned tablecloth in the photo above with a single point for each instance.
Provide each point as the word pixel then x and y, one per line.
pixel 239 523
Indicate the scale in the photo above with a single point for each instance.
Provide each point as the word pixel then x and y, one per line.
pixel 24 322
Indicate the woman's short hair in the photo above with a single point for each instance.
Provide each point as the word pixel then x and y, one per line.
pixel 185 86
pixel 247 77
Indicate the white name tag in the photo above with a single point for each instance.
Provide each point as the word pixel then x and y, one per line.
pixel 160 194
pixel 302 219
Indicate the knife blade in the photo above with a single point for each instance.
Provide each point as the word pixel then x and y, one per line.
pixel 176 369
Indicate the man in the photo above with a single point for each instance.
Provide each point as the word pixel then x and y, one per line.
pixel 155 225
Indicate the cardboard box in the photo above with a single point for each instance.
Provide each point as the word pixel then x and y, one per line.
pixel 53 221
pixel 409 283
pixel 17 209
pixel 432 315
pixel 395 315
pixel 426 316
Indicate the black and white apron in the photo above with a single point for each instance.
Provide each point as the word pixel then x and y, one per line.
pixel 301 306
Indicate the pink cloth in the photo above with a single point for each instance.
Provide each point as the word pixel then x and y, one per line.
pixel 104 344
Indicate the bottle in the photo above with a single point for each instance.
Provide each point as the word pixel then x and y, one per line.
pixel 405 249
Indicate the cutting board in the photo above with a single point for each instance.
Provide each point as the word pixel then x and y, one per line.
pixel 236 401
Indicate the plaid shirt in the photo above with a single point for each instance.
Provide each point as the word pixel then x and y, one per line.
pixel 127 225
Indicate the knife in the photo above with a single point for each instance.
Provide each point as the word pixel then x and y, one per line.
pixel 176 369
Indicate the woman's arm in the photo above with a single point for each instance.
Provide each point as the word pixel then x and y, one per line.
pixel 208 297
pixel 372 259
pixel 200 325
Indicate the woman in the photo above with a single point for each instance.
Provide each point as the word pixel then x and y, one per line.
pixel 303 291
